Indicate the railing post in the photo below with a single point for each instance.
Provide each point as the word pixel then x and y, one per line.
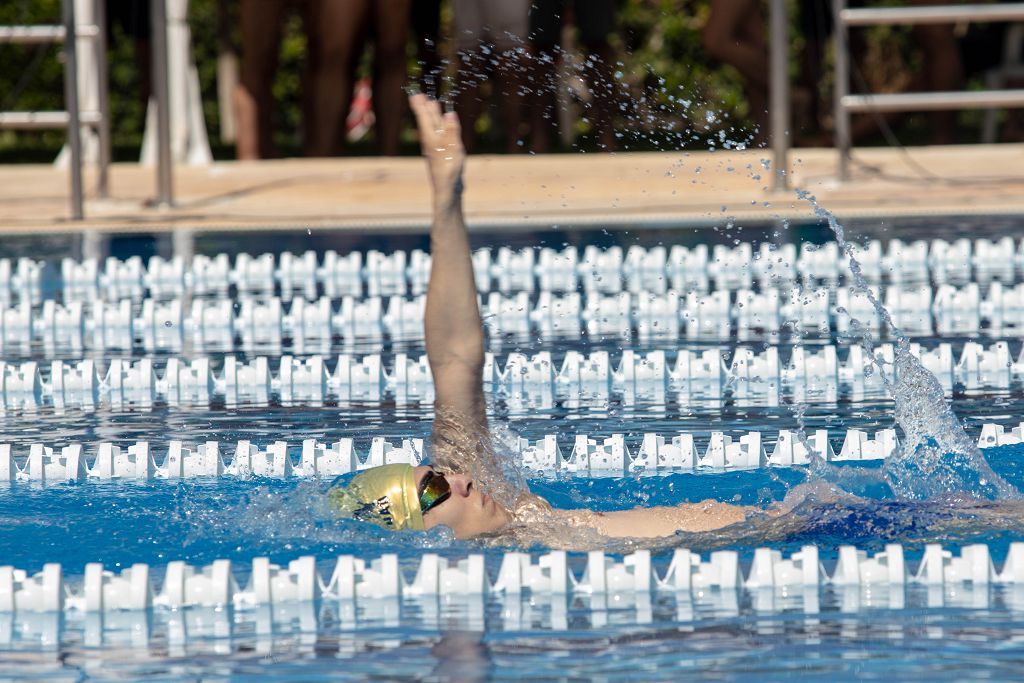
pixel 103 84
pixel 842 84
pixel 183 244
pixel 71 102
pixel 780 118
pixel 161 93
pixel 93 245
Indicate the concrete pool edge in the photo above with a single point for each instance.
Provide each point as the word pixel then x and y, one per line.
pixel 642 189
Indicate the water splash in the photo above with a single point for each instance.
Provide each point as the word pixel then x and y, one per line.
pixel 936 456
pixel 936 460
pixel 243 517
pixel 583 93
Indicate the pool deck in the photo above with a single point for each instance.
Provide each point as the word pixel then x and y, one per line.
pixel 648 189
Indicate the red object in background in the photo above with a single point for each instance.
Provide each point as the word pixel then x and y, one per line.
pixel 360 116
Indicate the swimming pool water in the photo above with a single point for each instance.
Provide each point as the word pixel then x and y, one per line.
pixel 913 633
pixel 848 637
pixel 201 520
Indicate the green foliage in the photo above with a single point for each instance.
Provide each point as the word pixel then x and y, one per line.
pixel 288 85
pixel 127 106
pixel 32 77
pixel 207 44
pixel 662 67
pixel 664 56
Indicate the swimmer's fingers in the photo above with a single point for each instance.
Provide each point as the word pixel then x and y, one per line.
pixel 452 127
pixel 440 141
pixel 418 104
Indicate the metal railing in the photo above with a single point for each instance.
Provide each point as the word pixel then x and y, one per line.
pixel 162 98
pixel 846 104
pixel 778 61
pixel 71 118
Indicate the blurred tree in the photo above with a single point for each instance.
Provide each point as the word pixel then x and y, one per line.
pixel 672 85
pixel 673 95
pixel 31 80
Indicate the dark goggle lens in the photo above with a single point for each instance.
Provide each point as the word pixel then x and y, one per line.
pixel 436 490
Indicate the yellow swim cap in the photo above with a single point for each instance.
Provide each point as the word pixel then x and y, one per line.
pixel 384 495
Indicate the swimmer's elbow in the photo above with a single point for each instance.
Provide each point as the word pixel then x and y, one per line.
pixel 465 353
pixel 458 380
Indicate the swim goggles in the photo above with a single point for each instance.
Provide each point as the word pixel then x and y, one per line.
pixel 434 490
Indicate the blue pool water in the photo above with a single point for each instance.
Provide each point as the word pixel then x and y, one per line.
pixel 915 632
pixel 119 523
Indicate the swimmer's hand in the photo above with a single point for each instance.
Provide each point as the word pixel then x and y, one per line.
pixel 441 141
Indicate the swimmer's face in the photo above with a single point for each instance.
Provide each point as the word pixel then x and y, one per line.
pixel 468 511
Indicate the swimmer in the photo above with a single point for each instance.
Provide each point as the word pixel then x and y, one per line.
pixel 402 497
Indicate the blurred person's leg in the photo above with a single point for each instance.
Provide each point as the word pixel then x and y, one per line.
pixel 596 22
pixel 542 73
pixel 734 34
pixel 335 45
pixel 470 67
pixel 227 68
pixel 942 69
pixel 508 23
pixel 261 22
pixel 390 70
pixel 426 27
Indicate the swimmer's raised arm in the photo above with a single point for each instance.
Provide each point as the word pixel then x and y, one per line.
pixel 403 497
pixel 452 325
